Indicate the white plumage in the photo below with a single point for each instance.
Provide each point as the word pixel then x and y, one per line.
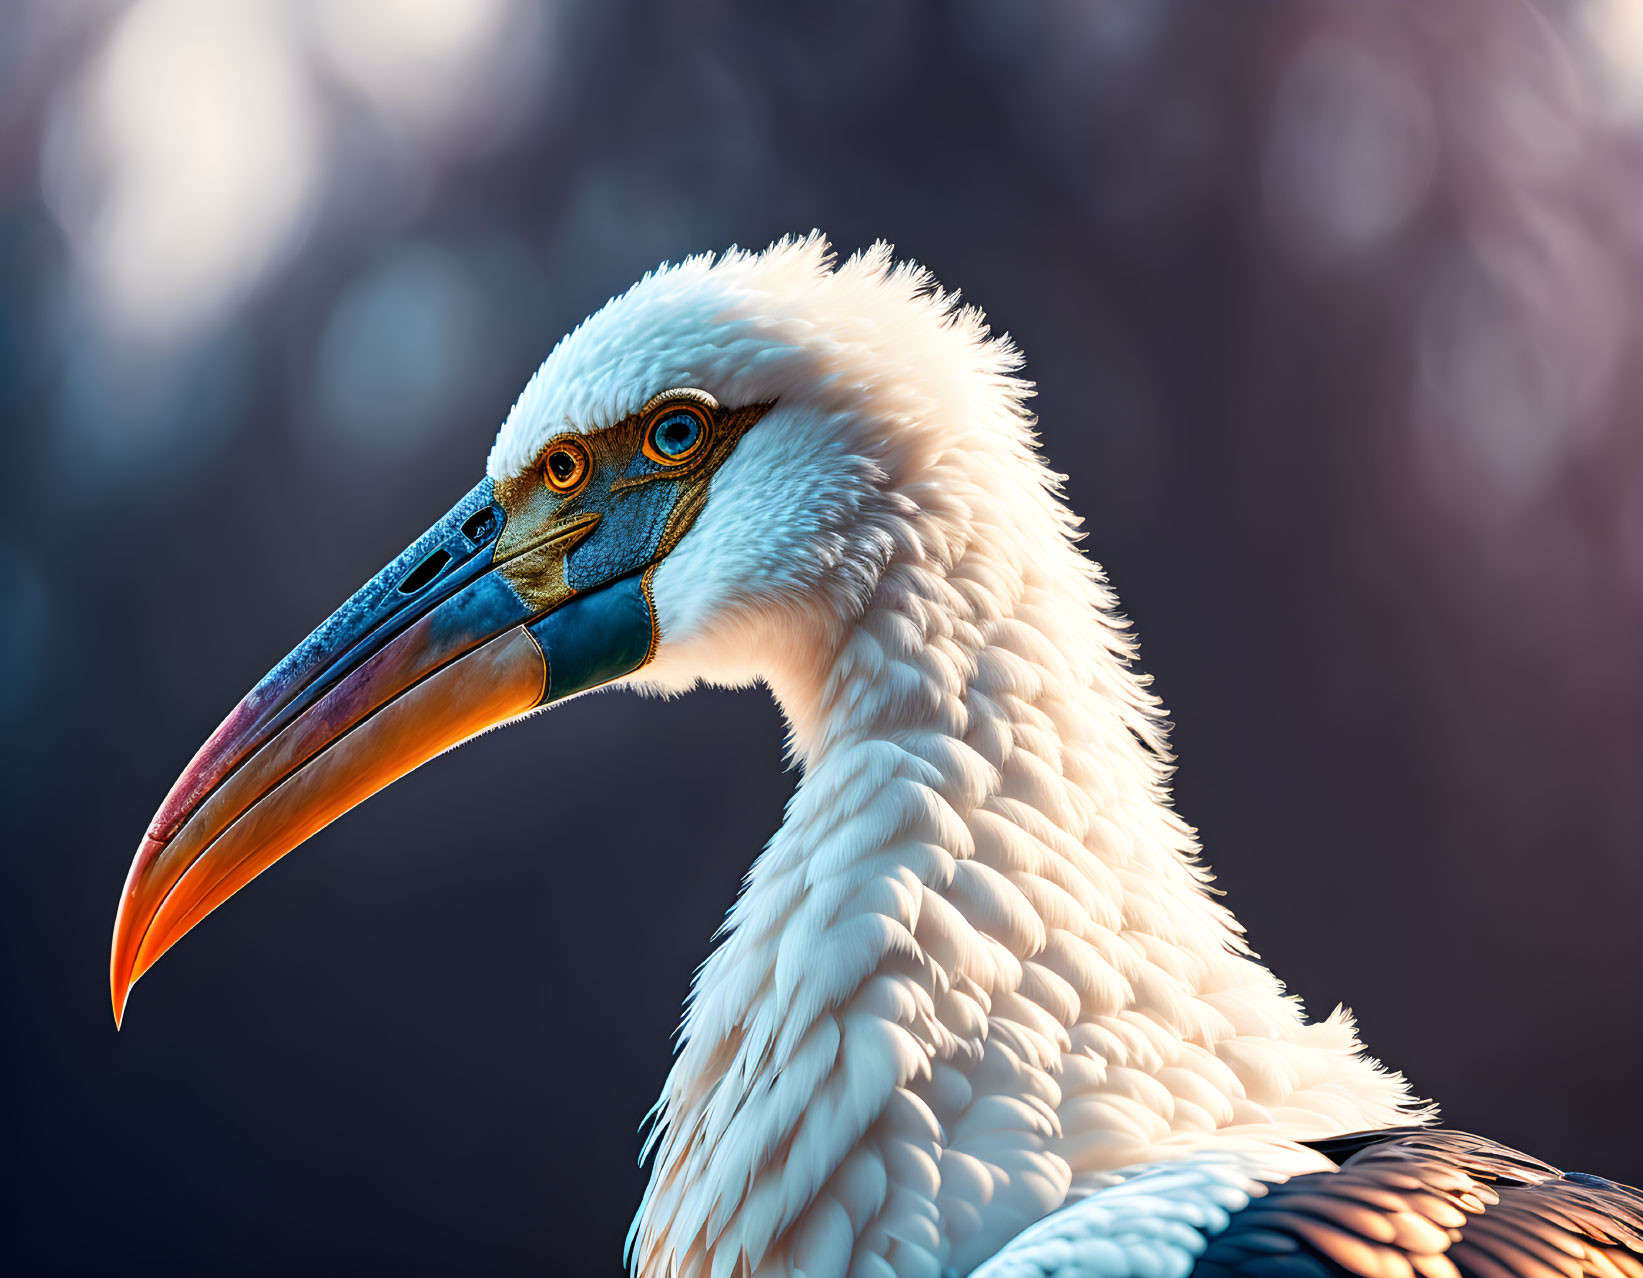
pixel 976 976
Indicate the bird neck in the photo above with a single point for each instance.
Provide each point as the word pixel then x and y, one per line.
pixel 978 969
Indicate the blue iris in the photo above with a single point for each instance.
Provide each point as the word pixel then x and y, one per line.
pixel 676 434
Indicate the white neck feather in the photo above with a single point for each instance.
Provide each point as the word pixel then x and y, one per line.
pixel 977 972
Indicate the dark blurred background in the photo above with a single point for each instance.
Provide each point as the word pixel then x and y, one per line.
pixel 1336 317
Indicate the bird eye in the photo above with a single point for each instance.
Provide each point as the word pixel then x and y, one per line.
pixel 566 466
pixel 677 435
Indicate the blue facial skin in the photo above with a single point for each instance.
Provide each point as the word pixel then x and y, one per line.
pixel 595 638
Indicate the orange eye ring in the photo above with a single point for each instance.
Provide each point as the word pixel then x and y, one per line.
pixel 566 466
pixel 679 426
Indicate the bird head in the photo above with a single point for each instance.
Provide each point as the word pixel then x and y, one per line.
pixel 705 481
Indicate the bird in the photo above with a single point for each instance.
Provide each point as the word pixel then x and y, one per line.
pixel 977 1008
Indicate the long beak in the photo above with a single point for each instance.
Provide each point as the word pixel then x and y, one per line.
pixel 436 648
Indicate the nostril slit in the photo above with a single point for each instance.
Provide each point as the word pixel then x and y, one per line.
pixel 433 563
pixel 481 526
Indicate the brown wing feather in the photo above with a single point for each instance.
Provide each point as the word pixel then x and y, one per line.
pixel 1422 1203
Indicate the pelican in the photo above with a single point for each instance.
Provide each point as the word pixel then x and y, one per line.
pixel 976 1009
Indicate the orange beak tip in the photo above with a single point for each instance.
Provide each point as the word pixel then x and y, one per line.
pixel 360 737
pixel 119 989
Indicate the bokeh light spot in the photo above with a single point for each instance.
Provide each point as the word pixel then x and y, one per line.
pixel 1350 154
pixel 184 161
